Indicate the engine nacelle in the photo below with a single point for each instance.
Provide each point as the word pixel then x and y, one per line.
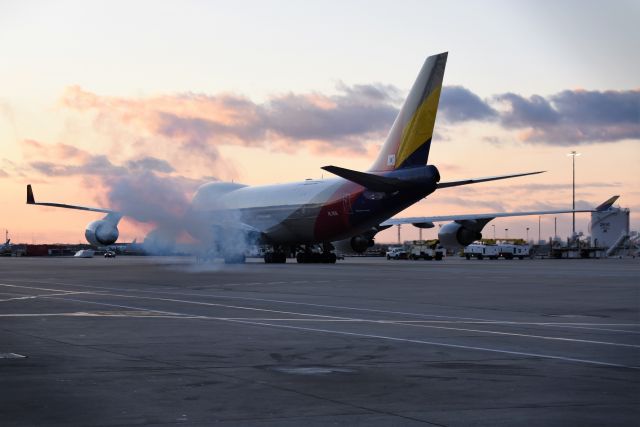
pixel 101 233
pixel 455 236
pixel 360 243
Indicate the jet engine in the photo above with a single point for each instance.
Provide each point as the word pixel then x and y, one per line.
pixel 101 233
pixel 357 244
pixel 455 235
pixel 360 243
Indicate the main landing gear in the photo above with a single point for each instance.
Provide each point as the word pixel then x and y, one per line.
pixel 278 257
pixel 310 257
pixel 306 256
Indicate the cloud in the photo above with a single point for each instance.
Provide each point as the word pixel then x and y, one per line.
pixel 3 174
pixel 493 205
pixel 351 119
pixel 574 117
pixel 150 164
pixel 145 189
pixel 459 104
pixel 200 123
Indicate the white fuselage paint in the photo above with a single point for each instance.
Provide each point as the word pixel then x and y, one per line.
pixel 285 212
pixel 292 195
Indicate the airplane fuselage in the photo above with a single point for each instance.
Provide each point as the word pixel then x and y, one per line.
pixel 310 211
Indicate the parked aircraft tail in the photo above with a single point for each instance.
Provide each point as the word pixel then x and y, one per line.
pixel 409 139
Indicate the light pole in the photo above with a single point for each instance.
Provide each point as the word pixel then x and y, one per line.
pixel 527 235
pixel 539 234
pixel 573 155
pixel 506 233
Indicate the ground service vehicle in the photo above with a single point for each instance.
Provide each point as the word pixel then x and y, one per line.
pixel 480 251
pixel 422 249
pixel 509 251
pixel 398 252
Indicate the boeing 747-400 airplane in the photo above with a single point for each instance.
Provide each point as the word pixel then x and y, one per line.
pixel 351 209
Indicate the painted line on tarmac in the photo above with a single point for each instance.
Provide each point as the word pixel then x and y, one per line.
pixel 48 295
pixel 439 344
pixel 480 331
pixel 513 334
pixel 383 337
pixel 371 310
pixel 85 314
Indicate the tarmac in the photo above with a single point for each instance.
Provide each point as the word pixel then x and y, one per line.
pixel 161 341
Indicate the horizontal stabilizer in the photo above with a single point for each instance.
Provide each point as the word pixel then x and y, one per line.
pixel 32 201
pixel 485 179
pixel 368 180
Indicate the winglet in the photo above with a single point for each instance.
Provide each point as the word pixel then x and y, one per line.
pixel 30 199
pixel 607 205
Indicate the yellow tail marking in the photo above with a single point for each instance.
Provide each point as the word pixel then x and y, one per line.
pixel 420 128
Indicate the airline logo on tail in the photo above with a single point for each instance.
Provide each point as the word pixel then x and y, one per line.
pixel 409 140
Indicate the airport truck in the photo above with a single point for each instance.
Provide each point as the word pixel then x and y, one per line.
pixel 397 252
pixel 480 251
pixel 423 249
pixel 510 251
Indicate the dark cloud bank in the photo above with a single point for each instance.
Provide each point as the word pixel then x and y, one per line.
pixel 360 112
pixel 357 114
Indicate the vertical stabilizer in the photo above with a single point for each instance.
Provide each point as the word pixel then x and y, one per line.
pixel 409 140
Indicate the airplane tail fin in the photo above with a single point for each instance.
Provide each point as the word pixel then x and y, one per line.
pixel 606 205
pixel 409 139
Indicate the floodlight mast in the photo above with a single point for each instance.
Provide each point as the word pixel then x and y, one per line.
pixel 573 155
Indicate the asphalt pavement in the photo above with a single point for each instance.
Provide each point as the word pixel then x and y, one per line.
pixel 162 341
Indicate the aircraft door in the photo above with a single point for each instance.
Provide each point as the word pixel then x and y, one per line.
pixel 346 205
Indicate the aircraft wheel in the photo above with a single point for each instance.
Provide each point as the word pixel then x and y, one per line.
pixel 329 258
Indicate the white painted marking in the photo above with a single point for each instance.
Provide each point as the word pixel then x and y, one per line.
pixel 414 341
pixel 11 356
pixel 440 344
pixel 371 310
pixel 483 331
pixel 513 334
pixel 46 295
pixel 85 314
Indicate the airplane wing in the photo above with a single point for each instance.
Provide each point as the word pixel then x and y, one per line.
pixel 484 179
pixel 32 201
pixel 427 221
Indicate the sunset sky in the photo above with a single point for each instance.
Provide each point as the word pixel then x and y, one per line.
pixel 102 100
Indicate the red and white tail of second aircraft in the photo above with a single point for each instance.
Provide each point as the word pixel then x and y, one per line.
pixel 291 218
